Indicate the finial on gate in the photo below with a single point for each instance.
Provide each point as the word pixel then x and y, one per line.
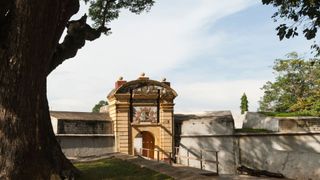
pixel 143 76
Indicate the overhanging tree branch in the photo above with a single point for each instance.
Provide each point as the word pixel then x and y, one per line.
pixel 105 11
pixel 77 33
pixel 295 14
pixel 101 12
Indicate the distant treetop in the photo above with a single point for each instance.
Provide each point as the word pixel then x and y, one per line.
pixel 97 107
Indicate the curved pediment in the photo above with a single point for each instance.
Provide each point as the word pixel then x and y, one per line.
pixel 145 86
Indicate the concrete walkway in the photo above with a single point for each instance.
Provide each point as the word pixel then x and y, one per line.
pixel 176 171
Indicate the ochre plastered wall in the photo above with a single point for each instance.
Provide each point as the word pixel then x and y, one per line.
pixel 125 131
pixel 166 130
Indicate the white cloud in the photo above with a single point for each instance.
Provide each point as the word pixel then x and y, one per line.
pixel 210 96
pixel 170 34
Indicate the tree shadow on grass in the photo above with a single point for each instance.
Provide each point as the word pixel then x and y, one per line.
pixel 116 169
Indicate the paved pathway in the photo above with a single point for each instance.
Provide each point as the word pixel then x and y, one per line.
pixel 176 171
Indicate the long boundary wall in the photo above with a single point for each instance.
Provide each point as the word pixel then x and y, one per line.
pixel 86 145
pixel 297 156
pixel 210 131
pixel 225 145
pixel 294 154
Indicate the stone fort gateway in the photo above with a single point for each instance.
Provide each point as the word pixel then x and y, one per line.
pixel 140 120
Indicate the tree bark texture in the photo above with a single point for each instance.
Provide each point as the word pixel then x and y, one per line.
pixel 29 34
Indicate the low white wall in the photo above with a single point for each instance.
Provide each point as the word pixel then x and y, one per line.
pixel 212 131
pixel 223 144
pixel 207 126
pixel 259 121
pixel 296 156
pixel 81 146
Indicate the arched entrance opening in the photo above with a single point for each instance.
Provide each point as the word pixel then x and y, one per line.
pixel 137 144
pixel 147 144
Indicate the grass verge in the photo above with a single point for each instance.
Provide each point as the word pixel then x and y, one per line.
pixel 286 114
pixel 116 169
pixel 250 130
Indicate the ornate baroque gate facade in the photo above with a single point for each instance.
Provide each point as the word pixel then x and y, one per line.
pixel 139 107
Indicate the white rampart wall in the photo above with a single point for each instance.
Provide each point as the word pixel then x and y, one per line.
pixel 297 156
pixel 223 144
pixel 294 154
pixel 255 120
pixel 81 146
pixel 208 132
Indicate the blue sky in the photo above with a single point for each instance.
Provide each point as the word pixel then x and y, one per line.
pixel 211 51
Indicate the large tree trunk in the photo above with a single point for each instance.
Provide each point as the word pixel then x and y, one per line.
pixel 29 33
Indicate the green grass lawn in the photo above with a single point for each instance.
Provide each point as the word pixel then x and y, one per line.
pixel 286 114
pixel 116 169
pixel 250 130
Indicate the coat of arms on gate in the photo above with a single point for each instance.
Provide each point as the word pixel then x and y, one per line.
pixel 145 114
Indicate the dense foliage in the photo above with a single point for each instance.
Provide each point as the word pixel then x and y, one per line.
pixel 296 87
pixel 104 11
pixel 97 107
pixel 244 103
pixel 297 15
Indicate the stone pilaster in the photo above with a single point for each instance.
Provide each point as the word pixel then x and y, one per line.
pixel 166 132
pixel 113 116
pixel 119 110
